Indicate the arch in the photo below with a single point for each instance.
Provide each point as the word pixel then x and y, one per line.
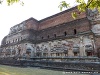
pixel 65 33
pixel 55 35
pixel 75 31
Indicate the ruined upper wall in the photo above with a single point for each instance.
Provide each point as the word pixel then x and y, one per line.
pixel 31 23
pixel 59 18
pixel 51 21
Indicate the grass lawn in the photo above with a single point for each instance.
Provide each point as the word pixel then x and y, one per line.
pixel 8 70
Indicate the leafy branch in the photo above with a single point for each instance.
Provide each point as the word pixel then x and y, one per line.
pixel 90 4
pixel 10 2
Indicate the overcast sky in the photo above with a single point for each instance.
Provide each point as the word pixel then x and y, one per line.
pixel 15 14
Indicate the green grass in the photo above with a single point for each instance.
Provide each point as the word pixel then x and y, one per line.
pixel 8 70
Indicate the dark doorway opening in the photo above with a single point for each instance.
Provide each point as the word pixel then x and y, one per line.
pixel 75 31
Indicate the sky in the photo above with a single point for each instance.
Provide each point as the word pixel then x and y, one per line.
pixel 16 13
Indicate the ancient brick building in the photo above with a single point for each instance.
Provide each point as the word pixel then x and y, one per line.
pixel 54 36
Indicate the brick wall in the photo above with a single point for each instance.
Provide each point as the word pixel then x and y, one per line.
pixel 59 18
pixel 32 24
pixel 80 26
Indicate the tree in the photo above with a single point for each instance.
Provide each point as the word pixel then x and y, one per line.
pixel 82 6
pixel 10 2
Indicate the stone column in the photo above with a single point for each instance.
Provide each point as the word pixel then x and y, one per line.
pixel 93 44
pixel 41 52
pixel 32 52
pixel 11 52
pixel 49 48
pixel 82 47
pixel 34 49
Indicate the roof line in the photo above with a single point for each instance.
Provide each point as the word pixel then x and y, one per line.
pixel 57 14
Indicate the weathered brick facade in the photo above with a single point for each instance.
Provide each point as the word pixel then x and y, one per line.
pixel 63 17
pixel 57 35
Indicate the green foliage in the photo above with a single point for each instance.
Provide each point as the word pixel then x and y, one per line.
pixel 91 4
pixel 82 7
pixel 10 2
pixel 74 15
pixel 80 1
pixel 63 4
